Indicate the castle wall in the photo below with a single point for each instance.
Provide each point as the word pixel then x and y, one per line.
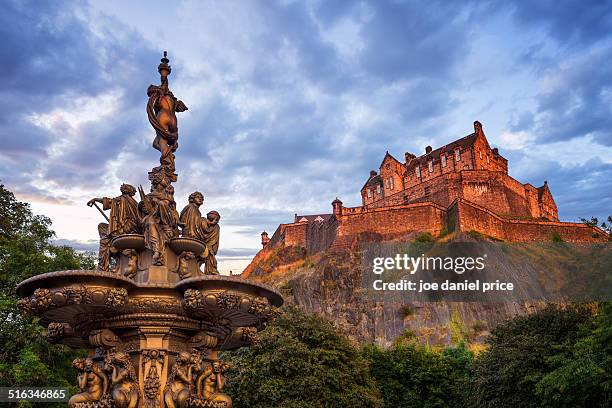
pixel 425 217
pixel 487 189
pixel 477 218
pixel 320 235
pixel 295 234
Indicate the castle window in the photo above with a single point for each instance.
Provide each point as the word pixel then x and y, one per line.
pixel 418 172
pixel 487 159
pixel 444 160
pixel 426 191
pixel 378 189
pixel 480 154
pixel 369 193
pixel 458 154
pixel 430 166
pixel 391 183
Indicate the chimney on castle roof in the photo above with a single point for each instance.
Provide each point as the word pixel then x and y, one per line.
pixel 409 156
pixel 496 151
pixel 373 173
pixel 478 128
pixel 427 149
pixel 264 239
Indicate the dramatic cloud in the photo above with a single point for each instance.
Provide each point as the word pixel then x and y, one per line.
pixel 291 103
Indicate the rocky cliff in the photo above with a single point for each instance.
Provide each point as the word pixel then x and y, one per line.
pixel 335 282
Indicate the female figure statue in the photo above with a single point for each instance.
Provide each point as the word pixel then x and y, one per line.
pixel 93 383
pixel 211 383
pixel 124 389
pixel 176 393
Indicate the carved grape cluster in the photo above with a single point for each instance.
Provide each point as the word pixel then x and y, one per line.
pixel 228 300
pixel 116 297
pixel 192 298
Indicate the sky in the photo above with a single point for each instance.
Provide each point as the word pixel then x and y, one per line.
pixel 291 103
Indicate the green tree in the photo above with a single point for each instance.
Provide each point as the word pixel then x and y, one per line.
pixel 521 354
pixel 410 376
pixel 583 374
pixel 26 359
pixel 302 361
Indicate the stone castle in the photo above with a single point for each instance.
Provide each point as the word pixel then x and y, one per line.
pixel 462 186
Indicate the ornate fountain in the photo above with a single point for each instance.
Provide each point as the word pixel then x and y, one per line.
pixel 156 311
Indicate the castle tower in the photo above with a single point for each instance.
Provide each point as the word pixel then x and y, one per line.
pixel 264 239
pixel 337 206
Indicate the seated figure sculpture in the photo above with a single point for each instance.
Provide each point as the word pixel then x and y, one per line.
pixel 93 384
pixel 159 217
pixel 210 385
pixel 206 230
pixel 176 393
pixel 191 217
pixel 124 387
pixel 123 219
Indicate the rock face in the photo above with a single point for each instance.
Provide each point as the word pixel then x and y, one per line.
pixel 334 283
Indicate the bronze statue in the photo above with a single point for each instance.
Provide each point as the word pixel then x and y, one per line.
pixel 92 381
pixel 191 218
pixel 124 386
pixel 206 230
pixel 211 383
pixel 211 238
pixel 183 264
pixel 123 220
pixel 159 217
pixel 178 387
pixel 132 266
pixel 161 110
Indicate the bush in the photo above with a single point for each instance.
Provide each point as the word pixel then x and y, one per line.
pixel 411 376
pixel 302 361
pixel 556 237
pixel 520 356
pixel 424 237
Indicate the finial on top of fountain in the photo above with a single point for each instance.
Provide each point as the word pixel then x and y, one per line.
pixel 164 69
pixel 161 110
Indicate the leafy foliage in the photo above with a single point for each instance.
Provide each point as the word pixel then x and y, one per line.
pixel 302 361
pixel 513 372
pixel 26 359
pixel 411 376
pixel 583 370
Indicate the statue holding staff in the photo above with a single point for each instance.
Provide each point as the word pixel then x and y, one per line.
pixel 123 220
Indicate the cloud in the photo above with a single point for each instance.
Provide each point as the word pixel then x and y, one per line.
pixel 290 103
pixel 575 100
pixel 80 246
pixel 570 22
pixel 66 103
